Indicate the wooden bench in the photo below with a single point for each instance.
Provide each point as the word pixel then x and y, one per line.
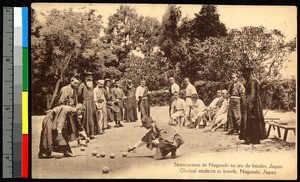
pixel 274 122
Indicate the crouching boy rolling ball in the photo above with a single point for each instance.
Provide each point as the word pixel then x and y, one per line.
pixel 160 136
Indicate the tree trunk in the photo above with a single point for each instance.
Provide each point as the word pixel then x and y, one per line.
pixel 68 58
pixel 48 101
pixel 54 93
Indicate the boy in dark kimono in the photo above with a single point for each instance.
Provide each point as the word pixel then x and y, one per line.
pixel 119 99
pixel 60 125
pixel 160 136
pixel 68 94
pixel 130 114
pixel 252 128
pixel 109 101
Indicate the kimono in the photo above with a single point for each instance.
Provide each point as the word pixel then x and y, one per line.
pixel 59 127
pixel 119 94
pixel 236 91
pixel 89 122
pixel 252 123
pixel 109 96
pixel 169 140
pixel 100 102
pixel 68 96
pixel 143 100
pixel 130 113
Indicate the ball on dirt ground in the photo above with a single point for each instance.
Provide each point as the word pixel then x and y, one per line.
pixel 102 154
pixel 98 155
pixel 112 155
pixel 94 152
pixel 124 154
pixel 105 169
pixel 82 148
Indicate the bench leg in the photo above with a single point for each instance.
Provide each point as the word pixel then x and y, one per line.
pixel 278 131
pixel 285 134
pixel 269 130
pixel 294 130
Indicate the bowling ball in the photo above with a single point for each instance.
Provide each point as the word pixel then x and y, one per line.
pixel 102 154
pixel 124 154
pixel 105 169
pixel 112 155
pixel 94 152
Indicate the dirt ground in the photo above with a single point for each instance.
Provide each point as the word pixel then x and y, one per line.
pixel 198 145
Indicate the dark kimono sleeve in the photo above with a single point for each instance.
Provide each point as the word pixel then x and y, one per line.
pixel 113 94
pixel 63 96
pixel 162 135
pixel 242 90
pixel 122 93
pixel 80 93
pixel 253 92
pixel 148 138
pixel 73 126
pixel 77 123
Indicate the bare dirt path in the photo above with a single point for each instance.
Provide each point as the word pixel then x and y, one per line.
pixel 141 164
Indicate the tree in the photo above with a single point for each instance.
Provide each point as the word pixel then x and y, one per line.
pixel 205 24
pixel 169 40
pixel 149 68
pixel 35 24
pixel 64 42
pixel 266 50
pixel 192 32
pixel 38 65
pixel 121 30
pixel 127 33
pixel 146 35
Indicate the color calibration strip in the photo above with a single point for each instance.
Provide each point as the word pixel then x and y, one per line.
pixel 20 131
pixel 17 119
pixel 15 92
pixel 25 105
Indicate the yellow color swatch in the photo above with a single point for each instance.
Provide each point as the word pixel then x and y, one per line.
pixel 24 112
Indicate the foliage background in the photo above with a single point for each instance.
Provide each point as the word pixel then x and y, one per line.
pixel 132 46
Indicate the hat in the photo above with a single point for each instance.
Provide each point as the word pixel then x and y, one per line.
pixel 80 107
pixel 147 119
pixel 88 73
pixel 129 81
pixel 107 79
pixel 101 82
